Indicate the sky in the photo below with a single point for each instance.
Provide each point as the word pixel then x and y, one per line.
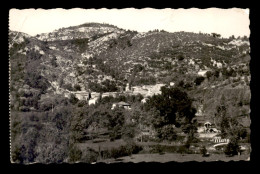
pixel 226 22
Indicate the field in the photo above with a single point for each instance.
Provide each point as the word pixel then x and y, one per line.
pixel 102 145
pixel 168 157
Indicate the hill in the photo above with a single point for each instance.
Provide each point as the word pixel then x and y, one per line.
pixel 52 71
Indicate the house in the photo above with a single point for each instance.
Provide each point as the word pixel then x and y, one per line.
pixel 210 128
pixel 92 101
pixel 202 73
pixel 121 104
pixel 109 94
pixel 127 88
pixel 199 110
pixel 95 95
pixel 144 100
pixel 147 90
pixel 81 95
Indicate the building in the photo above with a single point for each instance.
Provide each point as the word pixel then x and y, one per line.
pixel 147 90
pixel 109 94
pixel 127 88
pixel 82 95
pixel 144 100
pixel 121 104
pixel 199 110
pixel 202 73
pixel 92 101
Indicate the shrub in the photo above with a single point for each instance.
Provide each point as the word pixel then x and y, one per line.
pixel 68 87
pixel 77 87
pixel 73 100
pixel 90 156
pixel 16 154
pixel 199 80
pixel 125 150
pixel 183 149
pixel 157 149
pixel 180 57
pixel 74 154
pixel 232 148
pixel 167 133
pixel 203 151
pixel 82 103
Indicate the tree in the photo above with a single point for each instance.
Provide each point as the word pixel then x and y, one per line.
pixel 232 148
pixel 73 100
pixel 75 154
pixel 180 57
pixel 167 132
pixel 35 80
pixel 216 35
pixel 174 106
pixel 209 74
pixel 229 126
pixel 116 121
pixel 54 61
pixel 216 73
pixel 68 86
pixel 199 80
pixel 129 44
pixel 221 118
pixel 77 87
pixel 203 151
pixel 77 125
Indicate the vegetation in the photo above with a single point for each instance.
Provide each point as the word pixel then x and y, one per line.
pixel 48 127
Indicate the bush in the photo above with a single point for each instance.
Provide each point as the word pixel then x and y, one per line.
pixel 73 100
pixel 82 103
pixel 126 150
pixel 74 154
pixel 157 149
pixel 128 132
pixel 90 156
pixel 180 57
pixel 163 148
pixel 203 151
pixel 77 87
pixel 232 148
pixel 167 133
pixel 16 154
pixel 183 149
pixel 68 87
pixel 199 80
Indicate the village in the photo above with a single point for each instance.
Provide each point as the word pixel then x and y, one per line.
pixel 207 132
pixel 94 92
pixel 93 97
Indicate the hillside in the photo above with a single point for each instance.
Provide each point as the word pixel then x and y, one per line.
pixel 103 59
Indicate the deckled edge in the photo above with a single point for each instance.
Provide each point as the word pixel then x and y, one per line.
pixel 9 92
pixel 9 70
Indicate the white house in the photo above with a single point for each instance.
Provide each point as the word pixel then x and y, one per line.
pixel 92 101
pixel 121 104
pixel 144 100
pixel 202 73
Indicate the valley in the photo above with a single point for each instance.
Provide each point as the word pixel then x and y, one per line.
pixel 95 92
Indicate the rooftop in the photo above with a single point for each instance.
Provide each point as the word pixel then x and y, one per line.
pixel 123 103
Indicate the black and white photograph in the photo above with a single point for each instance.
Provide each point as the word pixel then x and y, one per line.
pixel 129 85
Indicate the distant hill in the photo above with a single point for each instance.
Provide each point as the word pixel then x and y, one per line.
pixel 89 54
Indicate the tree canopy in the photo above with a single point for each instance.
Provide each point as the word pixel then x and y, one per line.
pixel 174 105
